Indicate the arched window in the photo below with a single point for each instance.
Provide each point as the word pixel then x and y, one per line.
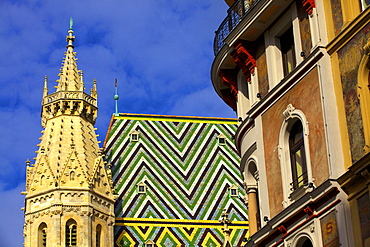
pixel 297 156
pixel 72 176
pixel 71 233
pixel 42 180
pixel 98 235
pixel 42 235
pixel 304 242
pixel 294 155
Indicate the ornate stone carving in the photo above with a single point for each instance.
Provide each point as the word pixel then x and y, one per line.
pixel 288 112
pixel 312 228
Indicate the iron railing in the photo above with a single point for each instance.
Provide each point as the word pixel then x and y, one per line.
pixel 235 14
pixel 300 181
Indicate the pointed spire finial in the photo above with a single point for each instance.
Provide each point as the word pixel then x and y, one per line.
pixel 116 97
pixel 45 91
pixel 70 37
pixel 70 23
pixel 93 90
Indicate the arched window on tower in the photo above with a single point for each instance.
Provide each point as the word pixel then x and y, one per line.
pixel 42 235
pixel 42 180
pixel 98 235
pixel 297 156
pixel 71 233
pixel 72 176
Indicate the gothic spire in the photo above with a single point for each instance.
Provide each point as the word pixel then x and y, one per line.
pixel 70 78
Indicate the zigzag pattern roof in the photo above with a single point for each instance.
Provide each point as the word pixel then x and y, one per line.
pixel 186 172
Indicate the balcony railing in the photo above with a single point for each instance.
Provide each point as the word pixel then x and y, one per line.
pixel 234 15
pixel 300 181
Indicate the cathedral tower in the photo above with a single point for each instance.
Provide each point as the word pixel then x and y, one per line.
pixel 69 196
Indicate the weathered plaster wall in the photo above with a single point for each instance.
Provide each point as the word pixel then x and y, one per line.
pixel 304 96
pixel 349 59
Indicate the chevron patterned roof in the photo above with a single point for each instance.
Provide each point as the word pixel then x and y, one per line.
pixel 184 173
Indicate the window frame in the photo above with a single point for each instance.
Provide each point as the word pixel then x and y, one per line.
pixel 42 235
pixel 141 185
pixel 221 140
pixel 134 136
pixel 70 225
pixel 294 147
pixel 149 243
pixel 233 188
pixel 291 115
pixel 273 47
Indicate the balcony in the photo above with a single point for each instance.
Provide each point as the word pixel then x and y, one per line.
pixel 235 14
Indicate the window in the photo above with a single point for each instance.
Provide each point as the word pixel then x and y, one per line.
pixel 304 242
pixel 149 243
pixel 98 235
pixel 294 155
pixel 221 140
pixel 141 188
pixel 42 235
pixel 72 175
pixel 134 136
pixel 233 191
pixel 287 51
pixel 283 45
pixel 71 233
pixel 297 156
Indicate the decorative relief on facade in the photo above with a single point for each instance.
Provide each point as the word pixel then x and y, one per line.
pixel 329 230
pixel 312 228
pixel 336 10
pixel 350 57
pixel 304 25
pixel 288 112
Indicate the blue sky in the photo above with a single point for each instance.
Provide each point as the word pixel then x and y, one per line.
pixel 160 51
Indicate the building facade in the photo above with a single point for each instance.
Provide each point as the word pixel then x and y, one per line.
pixel 297 74
pixel 177 181
pixel 69 196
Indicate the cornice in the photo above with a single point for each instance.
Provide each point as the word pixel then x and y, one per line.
pixel 349 31
pixel 88 190
pixel 310 205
